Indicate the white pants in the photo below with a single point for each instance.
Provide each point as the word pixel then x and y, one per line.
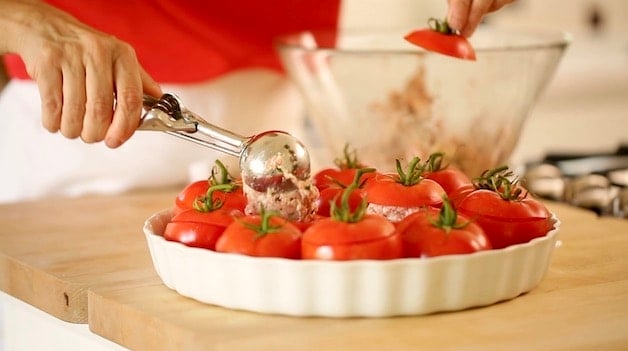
pixel 36 163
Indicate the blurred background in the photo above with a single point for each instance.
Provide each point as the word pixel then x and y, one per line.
pixel 585 106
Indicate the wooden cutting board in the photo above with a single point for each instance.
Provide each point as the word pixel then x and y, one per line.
pixel 582 304
pixel 86 260
pixel 52 251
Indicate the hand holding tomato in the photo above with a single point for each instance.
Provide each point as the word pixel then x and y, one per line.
pixel 466 15
pixel 441 38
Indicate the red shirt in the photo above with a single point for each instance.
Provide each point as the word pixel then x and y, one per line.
pixel 194 40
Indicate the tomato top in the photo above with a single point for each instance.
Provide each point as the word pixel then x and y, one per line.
pixel 263 235
pixel 491 204
pixel 502 207
pixel 197 194
pixel 186 198
pixel 328 177
pixel 439 37
pixel 499 184
pixel 331 231
pixel 449 177
pixel 405 188
pixel 344 172
pixel 219 217
pixel 440 232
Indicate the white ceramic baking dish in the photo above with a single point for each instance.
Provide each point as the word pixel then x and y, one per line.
pixel 361 288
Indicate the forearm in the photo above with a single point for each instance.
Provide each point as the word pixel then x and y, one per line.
pixel 4 77
pixel 16 20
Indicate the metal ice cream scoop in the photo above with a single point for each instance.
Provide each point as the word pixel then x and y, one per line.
pixel 267 160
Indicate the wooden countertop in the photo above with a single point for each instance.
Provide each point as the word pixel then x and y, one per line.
pixel 86 260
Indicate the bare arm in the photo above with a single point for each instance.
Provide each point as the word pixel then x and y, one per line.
pixel 466 15
pixel 79 71
pixel 4 79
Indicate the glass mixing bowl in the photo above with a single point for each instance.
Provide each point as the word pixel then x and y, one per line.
pixel 389 100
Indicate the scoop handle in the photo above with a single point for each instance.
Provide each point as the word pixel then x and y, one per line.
pixel 168 114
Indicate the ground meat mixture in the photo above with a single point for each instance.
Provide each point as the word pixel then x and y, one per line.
pixel 393 213
pixel 299 204
pixel 411 110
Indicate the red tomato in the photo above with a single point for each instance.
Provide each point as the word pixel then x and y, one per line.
pixel 442 39
pixel 195 195
pixel 449 177
pixel 333 194
pixel 386 190
pixel 303 225
pixel 199 229
pixel 186 198
pixel 351 234
pixel 404 189
pixel 508 214
pixel 372 237
pixel 343 174
pixel 460 194
pixel 327 177
pixel 440 232
pixel 506 222
pixel 261 235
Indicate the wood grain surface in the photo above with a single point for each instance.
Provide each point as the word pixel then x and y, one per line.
pixel 52 251
pixel 93 251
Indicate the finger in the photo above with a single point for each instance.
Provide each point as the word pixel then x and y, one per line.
pixel 458 13
pixel 99 106
pixel 128 89
pixel 50 85
pixel 498 4
pixel 149 86
pixel 478 9
pixel 73 109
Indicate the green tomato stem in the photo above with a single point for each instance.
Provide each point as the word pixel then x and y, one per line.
pixel 344 213
pixel 225 177
pixel 413 173
pixel 207 203
pixel 440 26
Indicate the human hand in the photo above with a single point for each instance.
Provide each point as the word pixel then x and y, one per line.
pixel 466 15
pixel 91 83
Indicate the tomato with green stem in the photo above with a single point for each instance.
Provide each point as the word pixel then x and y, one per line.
pixel 262 235
pixel 508 214
pixel 343 174
pixel 351 234
pixel 333 193
pixel 194 195
pixel 441 232
pixel 397 195
pixel 198 227
pixel 452 179
pixel 440 38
